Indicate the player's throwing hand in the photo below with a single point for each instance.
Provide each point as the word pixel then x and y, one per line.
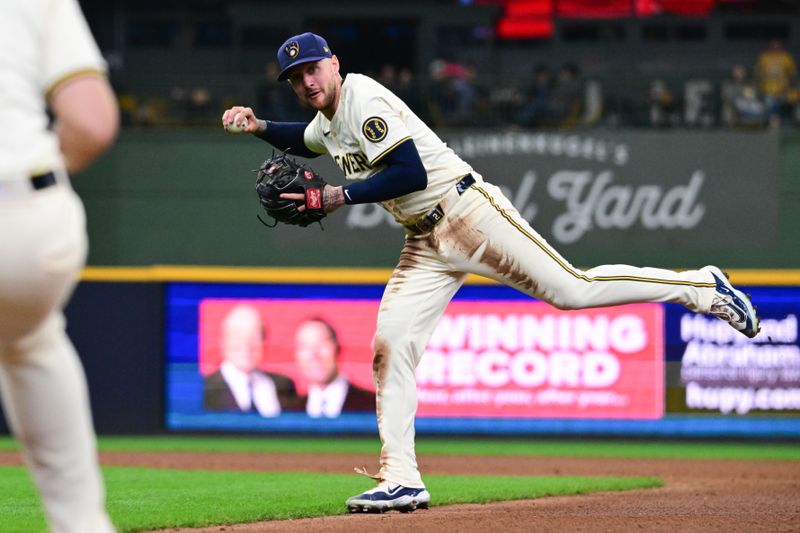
pixel 240 119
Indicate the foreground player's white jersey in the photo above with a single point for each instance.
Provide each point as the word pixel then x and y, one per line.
pixel 369 122
pixel 42 44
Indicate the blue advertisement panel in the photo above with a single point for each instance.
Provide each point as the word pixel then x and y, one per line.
pixel 713 369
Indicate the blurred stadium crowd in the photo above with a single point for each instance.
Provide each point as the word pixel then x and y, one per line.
pixel 708 69
pixel 456 95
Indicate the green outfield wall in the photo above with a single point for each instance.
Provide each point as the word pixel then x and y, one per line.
pixel 675 199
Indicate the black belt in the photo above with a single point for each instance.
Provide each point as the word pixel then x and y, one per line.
pixel 426 223
pixel 43 181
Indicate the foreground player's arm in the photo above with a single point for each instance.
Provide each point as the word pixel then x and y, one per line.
pixel 87 119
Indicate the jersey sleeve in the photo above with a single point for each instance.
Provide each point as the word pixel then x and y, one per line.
pixel 313 138
pixel 69 49
pixel 381 128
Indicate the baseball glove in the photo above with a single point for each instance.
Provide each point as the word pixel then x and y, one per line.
pixel 281 174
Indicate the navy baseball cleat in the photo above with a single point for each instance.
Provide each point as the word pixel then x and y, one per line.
pixel 732 305
pixel 389 496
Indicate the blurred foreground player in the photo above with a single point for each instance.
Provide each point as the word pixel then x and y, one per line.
pixel 456 223
pixel 48 56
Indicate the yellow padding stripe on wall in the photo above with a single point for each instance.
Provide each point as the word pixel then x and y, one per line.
pixel 160 273
pixel 237 274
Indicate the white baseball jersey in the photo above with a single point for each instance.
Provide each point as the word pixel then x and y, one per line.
pixel 43 43
pixel 369 122
pixel 481 232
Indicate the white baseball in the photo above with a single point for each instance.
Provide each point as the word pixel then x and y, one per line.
pixel 239 124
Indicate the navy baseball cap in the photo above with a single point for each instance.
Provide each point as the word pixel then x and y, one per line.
pixel 303 48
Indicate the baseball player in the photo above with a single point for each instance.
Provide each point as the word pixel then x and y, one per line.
pixel 48 56
pixel 456 223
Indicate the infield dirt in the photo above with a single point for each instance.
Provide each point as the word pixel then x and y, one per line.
pixel 698 495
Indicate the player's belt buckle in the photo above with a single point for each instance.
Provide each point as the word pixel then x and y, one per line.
pixel 435 215
pixel 20 187
pixel 429 221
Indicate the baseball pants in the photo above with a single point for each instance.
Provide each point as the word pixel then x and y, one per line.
pixel 42 382
pixel 482 233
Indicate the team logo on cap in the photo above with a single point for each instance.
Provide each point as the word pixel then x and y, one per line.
pixel 292 49
pixel 375 129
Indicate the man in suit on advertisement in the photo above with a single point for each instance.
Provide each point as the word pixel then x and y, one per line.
pixel 239 384
pixel 317 352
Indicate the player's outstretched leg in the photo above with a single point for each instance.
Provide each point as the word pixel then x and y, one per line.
pixel 485 234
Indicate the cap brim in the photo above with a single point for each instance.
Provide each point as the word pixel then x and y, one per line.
pixel 312 59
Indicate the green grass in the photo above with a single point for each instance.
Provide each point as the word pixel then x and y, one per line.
pixel 142 498
pixel 428 446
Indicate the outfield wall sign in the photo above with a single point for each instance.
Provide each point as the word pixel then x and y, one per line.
pixel 640 189
pixel 718 370
pixel 520 359
pixel 485 359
